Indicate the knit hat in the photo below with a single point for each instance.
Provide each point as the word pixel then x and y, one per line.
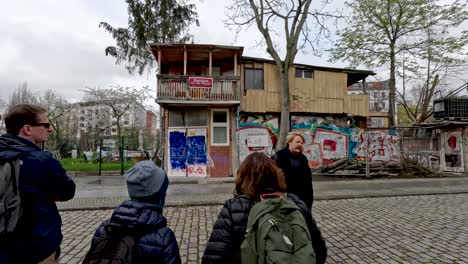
pixel 145 179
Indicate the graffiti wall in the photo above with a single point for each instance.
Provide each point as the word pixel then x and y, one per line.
pixel 177 152
pixel 187 152
pixel 196 152
pixel 328 139
pixel 383 146
pixel 334 145
pixel 452 150
pixel 254 139
pixel 257 133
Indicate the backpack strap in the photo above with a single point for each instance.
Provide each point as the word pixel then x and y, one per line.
pixel 13 177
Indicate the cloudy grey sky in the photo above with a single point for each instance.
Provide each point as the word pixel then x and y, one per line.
pixel 58 44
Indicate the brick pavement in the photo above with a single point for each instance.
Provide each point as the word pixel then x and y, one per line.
pixel 405 229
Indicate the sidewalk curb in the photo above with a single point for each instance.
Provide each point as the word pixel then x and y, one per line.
pixel 174 180
pixel 318 198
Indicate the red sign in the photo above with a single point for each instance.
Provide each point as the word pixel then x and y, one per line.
pixel 200 82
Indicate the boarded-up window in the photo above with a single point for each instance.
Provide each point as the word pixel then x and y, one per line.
pixel 188 117
pixel 254 79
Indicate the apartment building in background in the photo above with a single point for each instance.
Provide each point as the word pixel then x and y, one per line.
pixel 378 101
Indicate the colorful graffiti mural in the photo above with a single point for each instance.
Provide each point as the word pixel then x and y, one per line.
pixel 328 139
pixel 383 145
pixel 334 145
pixel 257 133
pixel 254 139
pixel 187 152
pixel 452 148
pixel 196 152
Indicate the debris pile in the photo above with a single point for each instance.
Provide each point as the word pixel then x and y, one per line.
pixel 344 167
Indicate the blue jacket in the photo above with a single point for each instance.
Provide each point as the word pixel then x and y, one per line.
pixel 42 182
pixel 156 246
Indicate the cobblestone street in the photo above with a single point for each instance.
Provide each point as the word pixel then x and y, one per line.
pixel 406 229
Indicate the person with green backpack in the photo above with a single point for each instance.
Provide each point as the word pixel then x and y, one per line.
pixel 262 223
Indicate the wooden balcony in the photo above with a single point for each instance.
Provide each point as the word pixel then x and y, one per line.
pixel 176 89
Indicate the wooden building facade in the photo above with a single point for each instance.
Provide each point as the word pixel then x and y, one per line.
pixel 218 106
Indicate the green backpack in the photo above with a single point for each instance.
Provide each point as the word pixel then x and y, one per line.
pixel 276 233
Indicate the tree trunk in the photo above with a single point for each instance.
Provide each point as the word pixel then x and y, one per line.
pixel 285 106
pixel 119 143
pixel 427 100
pixel 391 84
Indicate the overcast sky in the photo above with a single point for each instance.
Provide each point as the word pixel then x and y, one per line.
pixel 58 44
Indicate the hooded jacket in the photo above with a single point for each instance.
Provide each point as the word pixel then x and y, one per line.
pixel 223 246
pixel 158 245
pixel 42 182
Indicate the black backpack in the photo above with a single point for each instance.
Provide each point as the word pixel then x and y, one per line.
pixel 10 202
pixel 117 245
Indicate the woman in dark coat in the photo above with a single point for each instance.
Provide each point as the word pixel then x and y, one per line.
pixel 258 174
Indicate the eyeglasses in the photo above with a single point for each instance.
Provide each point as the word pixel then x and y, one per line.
pixel 46 125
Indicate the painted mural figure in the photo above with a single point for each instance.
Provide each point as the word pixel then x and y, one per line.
pixel 257 175
pixel 296 168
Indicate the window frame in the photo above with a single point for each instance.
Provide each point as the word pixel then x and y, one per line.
pixel 303 71
pixel 218 124
pixel 263 79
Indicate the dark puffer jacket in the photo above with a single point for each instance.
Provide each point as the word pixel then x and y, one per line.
pixel 297 174
pixel 157 246
pixel 42 182
pixel 223 247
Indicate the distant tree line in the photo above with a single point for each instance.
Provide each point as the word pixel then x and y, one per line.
pixel 112 104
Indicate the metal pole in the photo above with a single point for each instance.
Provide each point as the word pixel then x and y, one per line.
pixel 366 137
pixel 122 156
pixel 100 157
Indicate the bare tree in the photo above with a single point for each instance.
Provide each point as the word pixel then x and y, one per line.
pixel 378 31
pixel 22 95
pixel 119 99
pixel 427 69
pixel 58 109
pixel 283 25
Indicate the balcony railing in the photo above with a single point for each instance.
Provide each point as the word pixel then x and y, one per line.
pixel 175 87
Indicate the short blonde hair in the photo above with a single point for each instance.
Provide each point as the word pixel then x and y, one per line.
pixel 292 135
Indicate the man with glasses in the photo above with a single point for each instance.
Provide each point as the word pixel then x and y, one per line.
pixel 42 182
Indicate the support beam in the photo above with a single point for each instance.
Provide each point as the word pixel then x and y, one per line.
pixel 185 60
pixel 364 86
pixel 235 64
pixel 210 68
pixel 159 61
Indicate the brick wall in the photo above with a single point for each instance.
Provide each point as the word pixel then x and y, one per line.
pixel 221 157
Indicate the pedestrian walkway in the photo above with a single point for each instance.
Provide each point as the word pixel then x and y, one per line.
pixel 402 229
pixel 215 191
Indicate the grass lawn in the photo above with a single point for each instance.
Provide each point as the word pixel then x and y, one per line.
pixel 81 165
